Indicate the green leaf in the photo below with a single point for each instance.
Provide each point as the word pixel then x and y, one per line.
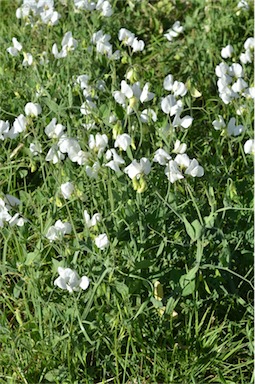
pixel 31 257
pixel 189 229
pixel 122 289
pixel 189 288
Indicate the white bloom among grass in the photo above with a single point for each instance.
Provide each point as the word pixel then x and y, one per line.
pixel 102 241
pixel 123 141
pixel 227 51
pixel 98 143
pixel 17 47
pixel 91 222
pixel 137 169
pixel 4 129
pixel 174 31
pixel 58 230
pixel 54 130
pixel 67 189
pixel 249 147
pixel 70 280
pixel 4 214
pixel 233 129
pixel 33 109
pixel 161 157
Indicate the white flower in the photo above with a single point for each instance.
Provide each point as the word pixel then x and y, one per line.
pixel 174 31
pixel 227 51
pixel 249 147
pixel 137 45
pixel 14 51
pixel 184 122
pixel 54 154
pixel 4 214
pixel 58 230
pixel 102 241
pixel 243 4
pixel 50 17
pixel 126 36
pixel 4 129
pixel 28 59
pixel 239 85
pixel 35 148
pixel 19 125
pixel 54 130
pixel 172 172
pixel 170 106
pixel 98 143
pixel 67 189
pixel 102 42
pixel 235 70
pixel 161 157
pixel 92 172
pixel 219 124
pixel 105 7
pixel 234 130
pixel 183 160
pixel 87 106
pixel 68 44
pixel 136 169
pixel 194 169
pixel 148 115
pixel 116 162
pixel 33 109
pixel 91 222
pixel 146 95
pixel 70 280
pixel 123 141
pixel 16 220
pixel 179 148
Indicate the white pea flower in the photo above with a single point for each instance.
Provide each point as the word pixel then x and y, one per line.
pixel 240 85
pixel 179 147
pixel 243 4
pixel 50 17
pixel 17 220
pixel 102 241
pixel 70 280
pixel 136 169
pixel 126 36
pixel 35 148
pixel 67 189
pixel 194 169
pixel 219 124
pixel 249 147
pixel 168 82
pixel 116 162
pixel 53 130
pixel 4 214
pixel 54 154
pixel 98 143
pixel 33 109
pixel 170 106
pixel 234 130
pixel 19 125
pixel 161 157
pixel 227 51
pixel 102 42
pixel 183 160
pixel 184 122
pixel 148 115
pixel 4 129
pixel 105 7
pixel 87 106
pixel 91 222
pixel 137 45
pixel 174 31
pixel 173 172
pixel 146 95
pixel 14 51
pixel 28 59
pixel 235 70
pixel 58 230
pixel 123 141
pixel 92 172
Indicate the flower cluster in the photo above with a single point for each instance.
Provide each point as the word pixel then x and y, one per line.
pixel 103 45
pixel 68 44
pixel 58 230
pixel 232 129
pixel 174 31
pixel 16 48
pixel 43 10
pixel 128 38
pixel 101 5
pixel 181 162
pixel 6 205
pixel 172 106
